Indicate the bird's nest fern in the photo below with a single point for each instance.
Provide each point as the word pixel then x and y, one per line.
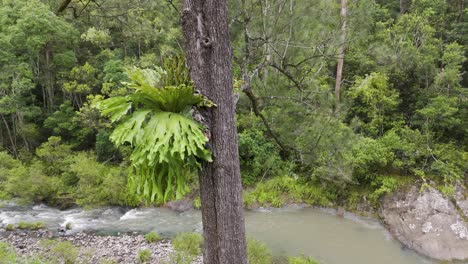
pixel 167 143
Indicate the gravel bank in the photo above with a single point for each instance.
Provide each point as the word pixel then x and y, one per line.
pixel 92 248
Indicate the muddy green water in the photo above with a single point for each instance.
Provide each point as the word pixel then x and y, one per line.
pixel 288 231
pixel 331 240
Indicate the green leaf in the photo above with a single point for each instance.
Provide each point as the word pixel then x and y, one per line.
pixel 115 107
pixel 167 143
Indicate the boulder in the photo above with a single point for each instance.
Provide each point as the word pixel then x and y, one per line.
pixel 180 205
pixel 461 199
pixel 426 222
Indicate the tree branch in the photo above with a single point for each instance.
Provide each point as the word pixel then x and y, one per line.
pixel 288 75
pixel 62 7
pixel 286 150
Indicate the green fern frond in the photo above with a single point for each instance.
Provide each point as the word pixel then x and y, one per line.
pixel 130 130
pixel 167 144
pixel 145 77
pixel 115 107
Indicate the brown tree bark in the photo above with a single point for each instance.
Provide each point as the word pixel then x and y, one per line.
pixel 47 54
pixel 63 5
pixel 49 76
pixel 208 52
pixel 341 52
pixel 404 6
pixel 11 137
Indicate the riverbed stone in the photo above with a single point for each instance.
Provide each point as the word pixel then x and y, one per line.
pixel 427 222
pixel 180 205
pixel 92 248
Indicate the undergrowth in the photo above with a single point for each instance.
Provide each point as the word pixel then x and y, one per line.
pixel 279 191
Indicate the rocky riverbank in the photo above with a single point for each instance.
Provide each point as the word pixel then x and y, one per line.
pixel 422 219
pixel 428 222
pixel 90 248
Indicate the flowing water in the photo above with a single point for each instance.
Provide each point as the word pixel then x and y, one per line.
pixel 288 231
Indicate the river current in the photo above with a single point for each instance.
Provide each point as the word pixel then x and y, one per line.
pixel 288 231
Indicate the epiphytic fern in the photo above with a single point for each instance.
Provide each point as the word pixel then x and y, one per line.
pixel 155 120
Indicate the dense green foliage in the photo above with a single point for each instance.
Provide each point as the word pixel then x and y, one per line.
pixel 57 252
pixel 187 247
pixel 302 260
pixel 144 255
pixel 258 253
pixel 61 179
pixel 152 237
pixel 9 256
pixel 402 116
pixel 283 190
pixel 31 226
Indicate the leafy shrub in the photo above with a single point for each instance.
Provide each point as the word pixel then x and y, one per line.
pixel 105 149
pixel 259 158
pixel 448 191
pixel 386 185
pixel 187 247
pixel 285 189
pixel 31 226
pixel 144 255
pixel 30 184
pixel 60 177
pixel 189 243
pixel 7 254
pixel 63 123
pixel 152 237
pixel 180 258
pixel 96 36
pixel 302 260
pixel 108 261
pixel 7 165
pixel 326 144
pixel 7 162
pixel 258 253
pixel 90 175
pixel 60 251
pixel 374 104
pixel 404 151
pixel 99 184
pixel 53 155
pixel 197 203
pixel 369 158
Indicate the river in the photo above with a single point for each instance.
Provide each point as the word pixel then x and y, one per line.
pixel 288 231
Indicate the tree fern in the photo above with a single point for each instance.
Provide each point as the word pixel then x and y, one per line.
pixel 155 120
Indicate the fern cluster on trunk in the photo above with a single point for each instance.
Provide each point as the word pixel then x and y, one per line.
pixel 155 120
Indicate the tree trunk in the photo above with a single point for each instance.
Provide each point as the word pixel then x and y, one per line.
pixel 341 52
pixel 62 7
pixel 208 52
pixel 461 10
pixel 47 53
pixel 12 139
pixel 404 5
pixel 49 76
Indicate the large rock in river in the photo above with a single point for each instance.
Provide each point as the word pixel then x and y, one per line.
pixel 461 199
pixel 427 222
